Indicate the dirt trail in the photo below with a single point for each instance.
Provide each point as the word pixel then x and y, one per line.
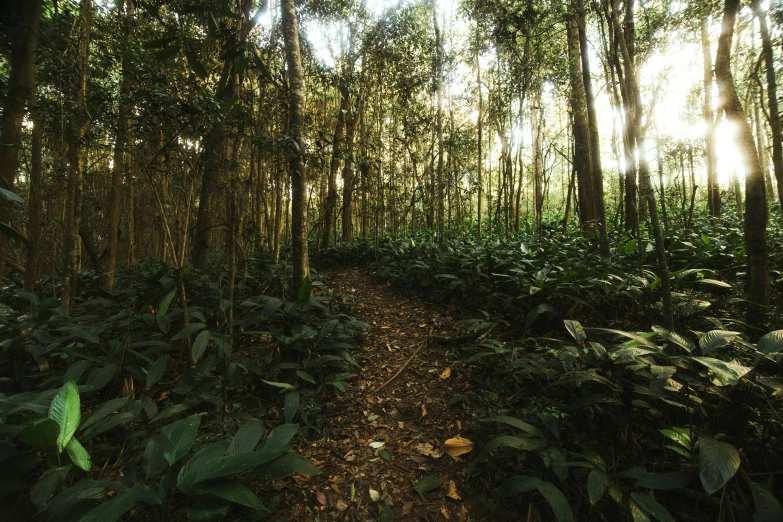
pixel 410 415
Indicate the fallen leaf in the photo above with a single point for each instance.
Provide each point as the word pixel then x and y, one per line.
pixel 453 493
pixel 406 508
pixel 341 505
pixel 445 512
pixel 458 446
pixel 446 373
pixel 423 410
pixel 377 445
pixel 321 498
pixel 428 450
pixel 375 496
pixel 428 483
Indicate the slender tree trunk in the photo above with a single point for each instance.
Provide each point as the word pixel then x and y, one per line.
pixel 439 94
pixel 595 145
pixel 713 190
pixel 77 127
pixel 32 264
pixel 772 95
pixel 118 166
pixel 581 131
pixel 480 139
pixel 758 289
pixel 19 92
pixel 644 172
pixel 296 122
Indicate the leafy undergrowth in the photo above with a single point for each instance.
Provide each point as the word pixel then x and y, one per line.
pixel 135 405
pixel 624 419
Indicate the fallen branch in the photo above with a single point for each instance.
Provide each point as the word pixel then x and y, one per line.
pixel 382 386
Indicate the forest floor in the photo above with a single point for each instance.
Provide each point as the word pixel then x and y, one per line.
pixel 408 412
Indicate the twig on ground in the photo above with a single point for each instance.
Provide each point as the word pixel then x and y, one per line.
pixel 422 345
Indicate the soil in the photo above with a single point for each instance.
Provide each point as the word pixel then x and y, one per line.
pixel 407 411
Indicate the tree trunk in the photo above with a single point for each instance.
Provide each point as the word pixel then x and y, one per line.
pixel 758 289
pixel 480 117
pixel 713 190
pixel 118 166
pixel 77 127
pixel 296 120
pixel 348 173
pixel 644 172
pixel 439 94
pixel 772 95
pixel 19 92
pixel 595 145
pixel 34 202
pixel 581 130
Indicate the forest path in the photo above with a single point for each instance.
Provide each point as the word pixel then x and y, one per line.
pixel 410 415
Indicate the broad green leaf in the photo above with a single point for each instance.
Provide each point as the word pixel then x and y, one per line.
pixel 11 196
pixel 597 481
pixel 47 486
pixel 163 307
pixel 290 464
pixel 113 509
pixel 767 506
pixel 65 410
pixel 726 373
pixel 428 483
pixel 715 339
pixel 534 314
pixel 43 433
pixel 576 330
pixel 153 460
pixel 291 405
pixel 284 385
pixel 517 423
pixel 178 437
pixel 636 337
pixel 79 455
pixel 190 330
pixel 246 438
pixel 305 290
pixel 678 435
pixel 526 444
pixel 637 513
pixel 211 509
pixel 157 370
pixel 200 345
pixel 771 343
pixel 718 462
pixel 675 338
pixel 665 481
pixel 557 501
pixel 305 376
pixel 230 491
pixel 280 436
pixel 518 484
pixel 194 63
pixel 652 507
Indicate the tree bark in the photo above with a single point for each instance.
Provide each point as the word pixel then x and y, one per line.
pixel 595 145
pixel 644 172
pixel 758 289
pixel 296 120
pixel 20 90
pixel 34 201
pixel 772 96
pixel 118 166
pixel 713 190
pixel 439 94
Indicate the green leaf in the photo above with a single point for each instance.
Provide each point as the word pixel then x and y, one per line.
pixel 200 345
pixel 178 437
pixel 771 343
pixel 79 455
pixel 280 436
pixel 113 509
pixel 153 460
pixel 718 462
pixel 726 373
pixel 428 483
pixel 65 410
pixel 638 514
pixel 652 507
pixel 675 338
pixel 679 435
pixel 597 481
pixel 247 437
pixel 665 481
pixel 168 52
pixel 527 444
pixel 47 486
pixel 517 423
pixel 291 405
pixel 230 491
pixel 767 506
pixel 194 63
pixel 533 314
pixel 163 308
pixel 557 501
pixel 271 306
pixel 157 370
pixel 385 455
pixel 305 376
pixel 290 464
pixel 43 433
pixel 715 339
pixel 576 330
pixel 12 233
pixel 518 484
pixel 636 337
pixel 305 290
pixel 103 411
pixel 284 385
pixel 190 330
pixel 11 196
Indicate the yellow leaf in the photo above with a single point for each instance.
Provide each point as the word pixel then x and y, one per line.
pixel 446 373
pixel 445 512
pixel 458 446
pixel 453 491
